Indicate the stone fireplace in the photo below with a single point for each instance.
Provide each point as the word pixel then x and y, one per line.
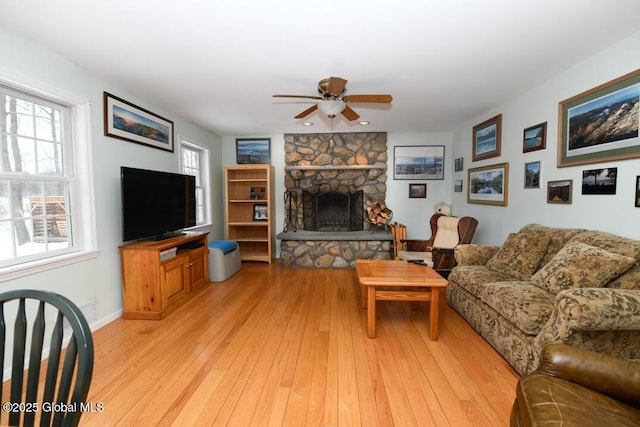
pixel 330 179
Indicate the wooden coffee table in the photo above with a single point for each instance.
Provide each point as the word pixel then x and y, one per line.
pixel 399 281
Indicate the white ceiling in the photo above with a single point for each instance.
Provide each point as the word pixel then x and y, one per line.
pixel 217 63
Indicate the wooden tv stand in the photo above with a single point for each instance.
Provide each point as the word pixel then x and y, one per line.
pixel 158 277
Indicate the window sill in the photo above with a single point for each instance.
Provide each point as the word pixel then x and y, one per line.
pixel 33 267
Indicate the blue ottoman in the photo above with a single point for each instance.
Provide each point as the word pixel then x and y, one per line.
pixel 224 259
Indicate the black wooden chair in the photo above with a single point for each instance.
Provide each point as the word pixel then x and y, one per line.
pixel 61 400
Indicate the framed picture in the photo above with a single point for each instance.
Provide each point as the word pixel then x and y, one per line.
pixel 418 162
pixel 560 191
pixel 534 138
pixel 457 186
pixel 257 193
pixel 417 191
pixel 458 164
pixel 253 151
pixel 488 185
pixel 126 121
pixel 532 175
pixel 599 181
pixel 260 212
pixel 487 140
pixel 637 191
pixel 600 124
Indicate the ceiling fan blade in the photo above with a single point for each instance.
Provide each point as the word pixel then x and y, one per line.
pixel 306 112
pixel 336 86
pixel 368 98
pixel 350 114
pixel 298 96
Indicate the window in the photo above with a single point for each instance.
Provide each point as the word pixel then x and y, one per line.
pixel 195 161
pixel 40 187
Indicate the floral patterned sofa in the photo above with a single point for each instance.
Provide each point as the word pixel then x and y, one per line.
pixel 551 285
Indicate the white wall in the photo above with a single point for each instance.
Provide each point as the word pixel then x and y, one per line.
pixel 99 278
pixel 611 213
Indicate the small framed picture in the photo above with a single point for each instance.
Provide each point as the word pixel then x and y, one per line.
pixel 599 181
pixel 457 186
pixel 417 191
pixel 637 191
pixel 535 138
pixel 260 212
pixel 532 175
pixel 560 191
pixel 257 193
pixel 458 164
pixel 487 140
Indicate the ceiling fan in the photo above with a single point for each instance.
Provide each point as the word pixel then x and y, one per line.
pixel 332 101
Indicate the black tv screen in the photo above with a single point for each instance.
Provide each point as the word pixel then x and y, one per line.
pixel 156 204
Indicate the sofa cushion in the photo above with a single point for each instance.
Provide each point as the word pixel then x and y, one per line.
pixel 579 265
pixel 521 253
pixel 526 306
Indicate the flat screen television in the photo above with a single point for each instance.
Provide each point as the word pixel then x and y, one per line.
pixel 156 205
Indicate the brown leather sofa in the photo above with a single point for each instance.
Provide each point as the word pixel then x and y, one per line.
pixel 576 387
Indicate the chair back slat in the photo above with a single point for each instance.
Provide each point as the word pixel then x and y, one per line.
pixel 67 382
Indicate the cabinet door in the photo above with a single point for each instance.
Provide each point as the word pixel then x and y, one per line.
pixel 198 269
pixel 175 279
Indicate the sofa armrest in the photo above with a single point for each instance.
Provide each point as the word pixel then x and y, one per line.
pixel 472 254
pixel 599 309
pixel 617 378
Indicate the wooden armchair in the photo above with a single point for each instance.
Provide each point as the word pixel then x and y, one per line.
pixel 446 233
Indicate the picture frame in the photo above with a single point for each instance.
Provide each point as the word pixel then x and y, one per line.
pixel 418 162
pixel 534 138
pixel 457 186
pixel 585 133
pixel 253 151
pixel 417 191
pixel 637 201
pixel 488 185
pixel 487 139
pixel 128 122
pixel 532 175
pixel 260 212
pixel 257 193
pixel 599 181
pixel 458 164
pixel 560 192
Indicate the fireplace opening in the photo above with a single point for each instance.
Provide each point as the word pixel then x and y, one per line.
pixel 333 211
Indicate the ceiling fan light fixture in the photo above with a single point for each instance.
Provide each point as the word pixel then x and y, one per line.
pixel 331 107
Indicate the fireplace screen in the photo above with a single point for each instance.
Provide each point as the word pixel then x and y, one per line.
pixel 333 211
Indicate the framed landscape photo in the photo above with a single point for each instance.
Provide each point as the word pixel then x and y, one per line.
pixel 600 124
pixel 487 139
pixel 458 164
pixel 417 191
pixel 418 162
pixel 488 185
pixel 534 138
pixel 253 151
pixel 457 186
pixel 532 175
pixel 126 121
pixel 560 191
pixel 599 181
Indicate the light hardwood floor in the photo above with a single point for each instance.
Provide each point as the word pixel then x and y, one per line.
pixel 288 347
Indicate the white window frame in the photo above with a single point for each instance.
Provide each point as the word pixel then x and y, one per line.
pixel 79 169
pixel 205 177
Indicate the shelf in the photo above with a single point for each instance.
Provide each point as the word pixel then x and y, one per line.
pixel 334 167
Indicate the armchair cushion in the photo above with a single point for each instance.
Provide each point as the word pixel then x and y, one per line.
pixel 521 253
pixel 579 265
